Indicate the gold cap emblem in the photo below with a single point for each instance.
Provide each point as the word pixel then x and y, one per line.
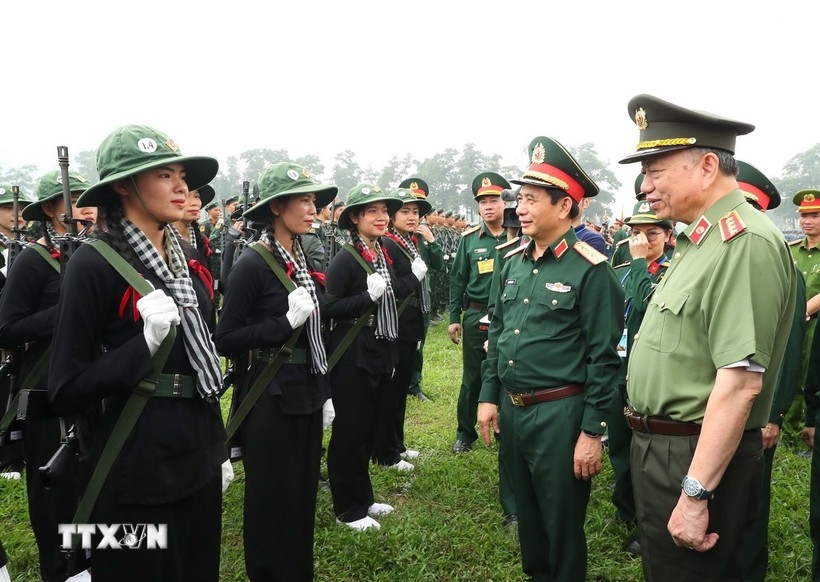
pixel 808 198
pixel 414 185
pixel 644 207
pixel 539 153
pixel 486 182
pixel 640 119
pixel 306 173
pixel 172 145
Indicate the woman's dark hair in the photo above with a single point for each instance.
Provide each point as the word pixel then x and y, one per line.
pixel 109 217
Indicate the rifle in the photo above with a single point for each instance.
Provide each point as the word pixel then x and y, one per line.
pixel 17 240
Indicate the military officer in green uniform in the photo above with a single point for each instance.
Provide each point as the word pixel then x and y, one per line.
pixel 620 243
pixel 552 364
pixel 806 254
pixel 214 230
pixel 470 281
pixel 639 277
pixel 763 195
pixel 705 360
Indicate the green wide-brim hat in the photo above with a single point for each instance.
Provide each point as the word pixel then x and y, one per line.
pixel 6 196
pixel 489 184
pixel 552 166
pixel 407 197
pixel 132 149
pixel 665 127
pixel 642 214
pixel 50 187
pixel 417 186
pixel 638 182
pixel 206 194
pixel 287 179
pixel 362 195
pixel 757 187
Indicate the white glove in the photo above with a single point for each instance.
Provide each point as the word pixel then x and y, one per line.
pixel 375 286
pixel 419 268
pixel 227 475
pixel 328 414
pixel 300 306
pixel 159 312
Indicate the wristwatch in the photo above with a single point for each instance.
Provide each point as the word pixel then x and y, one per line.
pixel 692 488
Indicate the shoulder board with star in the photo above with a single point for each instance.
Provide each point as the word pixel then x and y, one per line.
pixel 795 242
pixel 666 263
pixel 471 230
pixel 622 265
pixel 620 242
pixel 509 243
pixel 514 251
pixel 731 225
pixel 589 253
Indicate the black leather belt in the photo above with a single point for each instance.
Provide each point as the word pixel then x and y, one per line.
pixel 371 321
pixel 477 305
pixel 545 395
pixel 659 424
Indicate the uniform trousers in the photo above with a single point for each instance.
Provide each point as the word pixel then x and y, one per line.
pixel 620 439
pixel 551 502
pixel 357 399
pixel 658 464
pixel 415 387
pixel 472 342
pixel 814 506
pixel 194 532
pixel 49 507
pixel 281 457
pixel 756 538
pixel 390 434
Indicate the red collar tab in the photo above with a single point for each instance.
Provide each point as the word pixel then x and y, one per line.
pixel 560 248
pixel 700 230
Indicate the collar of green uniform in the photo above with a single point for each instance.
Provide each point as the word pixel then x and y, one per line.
pixel 716 211
pixel 568 236
pixel 484 230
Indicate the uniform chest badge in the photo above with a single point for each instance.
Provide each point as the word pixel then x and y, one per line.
pixel 558 287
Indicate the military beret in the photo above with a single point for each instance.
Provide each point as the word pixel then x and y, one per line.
pixel 807 200
pixel 757 187
pixel 489 184
pixel 665 127
pixel 552 166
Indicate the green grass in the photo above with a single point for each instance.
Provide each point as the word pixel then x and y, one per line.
pixel 447 523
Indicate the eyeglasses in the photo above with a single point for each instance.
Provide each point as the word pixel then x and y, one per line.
pixel 652 234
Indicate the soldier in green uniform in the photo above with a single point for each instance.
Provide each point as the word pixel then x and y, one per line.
pixel 639 277
pixel 806 254
pixel 705 360
pixel 214 230
pixel 620 246
pixel 560 304
pixel 470 281
pixel 762 194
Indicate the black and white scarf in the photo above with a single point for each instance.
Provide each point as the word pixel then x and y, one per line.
pixel 198 343
pixel 406 241
pixel 318 356
pixel 387 318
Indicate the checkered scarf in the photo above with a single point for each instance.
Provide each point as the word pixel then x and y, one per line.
pixel 198 344
pixel 53 238
pixel 406 241
pixel 318 356
pixel 387 318
pixel 4 240
pixel 191 234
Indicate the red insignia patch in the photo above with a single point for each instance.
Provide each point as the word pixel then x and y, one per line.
pixel 560 248
pixel 731 225
pixel 701 228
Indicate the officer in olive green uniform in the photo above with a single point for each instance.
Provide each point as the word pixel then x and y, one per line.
pixel 806 254
pixel 762 194
pixel 559 304
pixel 620 246
pixel 705 361
pixel 470 281
pixel 639 277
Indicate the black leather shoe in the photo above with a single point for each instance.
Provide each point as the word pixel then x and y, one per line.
pixel 633 547
pixel 461 447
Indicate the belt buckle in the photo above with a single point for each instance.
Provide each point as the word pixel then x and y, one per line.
pixel 516 399
pixel 176 391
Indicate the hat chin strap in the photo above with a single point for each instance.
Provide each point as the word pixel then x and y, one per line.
pixel 160 223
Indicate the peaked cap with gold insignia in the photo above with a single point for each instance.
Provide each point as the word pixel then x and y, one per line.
pixel 489 184
pixel 552 166
pixel 666 127
pixel 417 186
pixel 757 187
pixel 807 200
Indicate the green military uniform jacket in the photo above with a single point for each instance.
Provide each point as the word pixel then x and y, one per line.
pixel 472 270
pixel 557 320
pixel 727 296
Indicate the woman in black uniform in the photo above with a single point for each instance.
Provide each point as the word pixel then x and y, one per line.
pixel 281 437
pixel 355 281
pixel 401 244
pixel 168 471
pixel 27 313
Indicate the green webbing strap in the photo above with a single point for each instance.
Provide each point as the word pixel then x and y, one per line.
pixel 47 256
pixel 352 250
pixel 136 401
pixel 282 355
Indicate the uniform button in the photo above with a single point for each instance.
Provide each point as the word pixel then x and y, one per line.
pixel 510 363
pixel 677 255
pixel 517 332
pixel 555 302
pixel 526 301
pixel 535 271
pixel 637 335
pixel 661 304
pixel 627 377
pixel 603 424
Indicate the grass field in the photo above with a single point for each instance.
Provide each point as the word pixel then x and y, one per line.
pixel 447 523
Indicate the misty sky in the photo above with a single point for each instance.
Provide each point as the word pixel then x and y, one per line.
pixel 386 78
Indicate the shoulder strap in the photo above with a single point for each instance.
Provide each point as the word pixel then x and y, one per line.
pixel 46 256
pixel 136 401
pixel 287 282
pixel 352 250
